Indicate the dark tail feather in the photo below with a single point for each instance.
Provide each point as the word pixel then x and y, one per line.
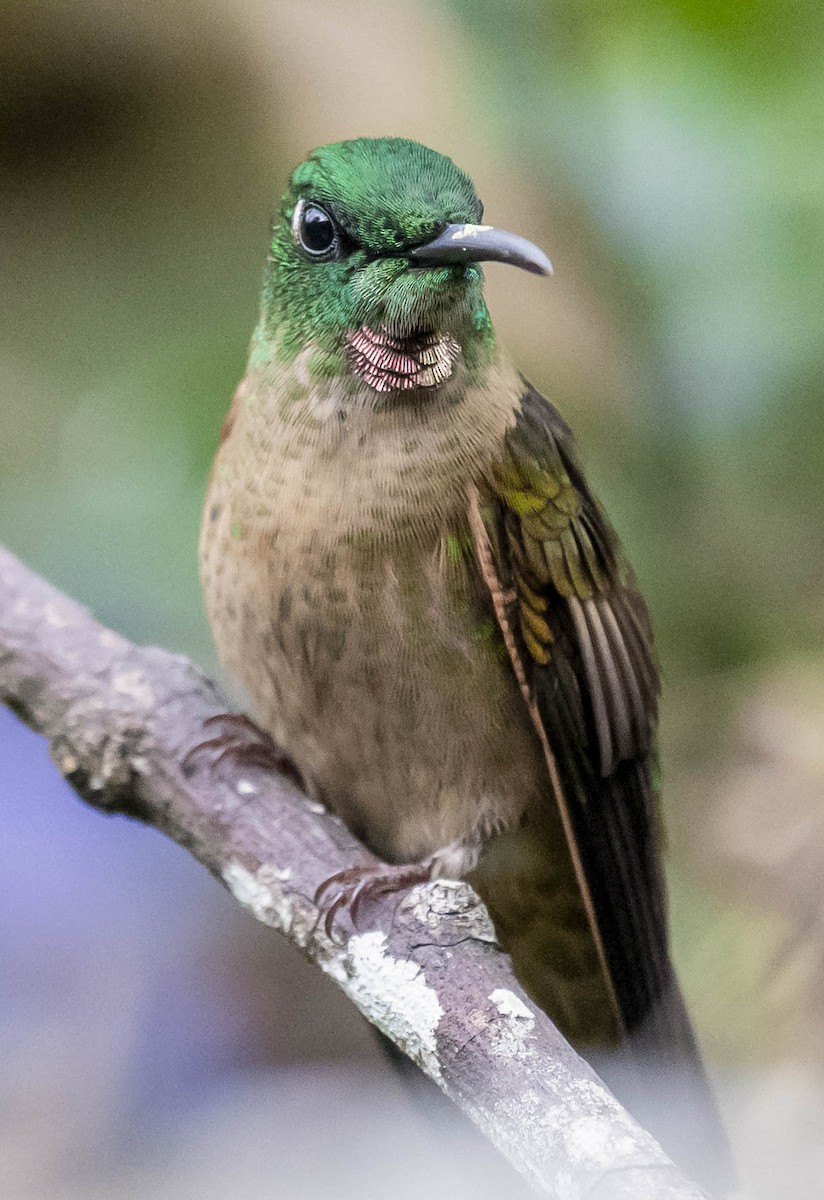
pixel 657 1073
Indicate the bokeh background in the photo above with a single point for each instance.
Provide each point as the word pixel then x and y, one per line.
pixel 153 1040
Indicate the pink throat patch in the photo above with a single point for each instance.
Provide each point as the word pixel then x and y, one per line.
pixel 389 363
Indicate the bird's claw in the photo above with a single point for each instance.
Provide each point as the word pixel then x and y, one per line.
pixel 237 736
pixel 357 886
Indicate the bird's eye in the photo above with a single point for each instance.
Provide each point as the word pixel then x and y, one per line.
pixel 315 231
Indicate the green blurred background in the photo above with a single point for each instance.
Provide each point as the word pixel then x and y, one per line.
pixel 668 157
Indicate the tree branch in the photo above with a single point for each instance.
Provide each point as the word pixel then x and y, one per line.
pixel 120 719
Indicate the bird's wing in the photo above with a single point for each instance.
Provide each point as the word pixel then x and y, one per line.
pixel 579 637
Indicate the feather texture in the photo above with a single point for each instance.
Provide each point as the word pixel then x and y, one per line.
pixel 585 646
pixel 586 665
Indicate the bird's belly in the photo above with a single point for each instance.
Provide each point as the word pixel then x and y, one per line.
pixel 382 676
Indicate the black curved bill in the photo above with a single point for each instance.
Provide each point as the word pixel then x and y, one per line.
pixel 482 243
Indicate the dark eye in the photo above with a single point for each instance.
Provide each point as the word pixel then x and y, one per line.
pixel 315 231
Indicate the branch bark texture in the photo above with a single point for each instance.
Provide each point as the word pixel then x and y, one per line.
pixel 120 720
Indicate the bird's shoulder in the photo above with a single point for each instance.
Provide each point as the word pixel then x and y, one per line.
pixel 581 623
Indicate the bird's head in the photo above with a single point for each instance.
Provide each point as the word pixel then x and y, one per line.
pixel 374 265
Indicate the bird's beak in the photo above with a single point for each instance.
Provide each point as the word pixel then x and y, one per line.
pixel 481 243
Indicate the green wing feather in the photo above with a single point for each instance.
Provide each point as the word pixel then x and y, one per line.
pixel 585 643
pixel 581 643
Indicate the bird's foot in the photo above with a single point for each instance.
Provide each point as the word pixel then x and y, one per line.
pixel 236 736
pixel 357 886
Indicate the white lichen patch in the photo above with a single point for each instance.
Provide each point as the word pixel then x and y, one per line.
pixel 599 1140
pixel 68 764
pixel 135 686
pixel 608 1134
pixel 571 1130
pixel 394 995
pixel 391 992
pixel 263 893
pixel 452 899
pixel 512 1006
pixel 510 1034
pixel 57 615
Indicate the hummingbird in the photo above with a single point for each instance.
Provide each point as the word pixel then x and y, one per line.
pixel 405 568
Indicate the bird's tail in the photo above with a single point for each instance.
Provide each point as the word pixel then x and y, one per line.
pixel 647 1054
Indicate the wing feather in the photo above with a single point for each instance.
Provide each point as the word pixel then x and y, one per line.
pixel 624 746
pixel 596 695
pixel 583 638
pixel 638 708
pixel 581 647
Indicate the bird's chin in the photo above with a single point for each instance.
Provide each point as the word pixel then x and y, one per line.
pixel 441 299
pixel 390 359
